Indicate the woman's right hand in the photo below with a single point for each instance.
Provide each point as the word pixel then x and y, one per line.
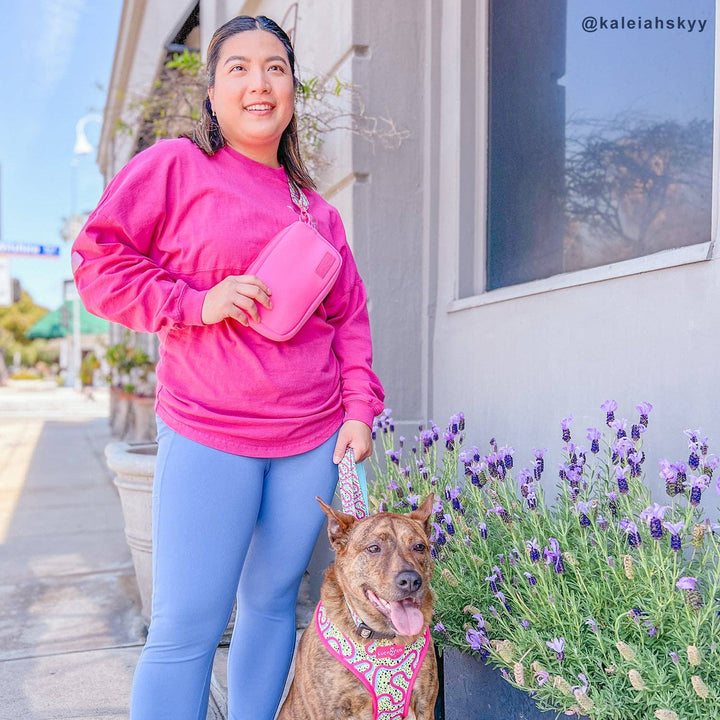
pixel 236 297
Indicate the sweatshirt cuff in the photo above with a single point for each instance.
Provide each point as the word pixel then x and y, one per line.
pixel 191 305
pixel 358 410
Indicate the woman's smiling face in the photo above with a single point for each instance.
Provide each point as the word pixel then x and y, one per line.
pixel 253 95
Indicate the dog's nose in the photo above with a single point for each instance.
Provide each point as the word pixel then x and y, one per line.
pixel 408 580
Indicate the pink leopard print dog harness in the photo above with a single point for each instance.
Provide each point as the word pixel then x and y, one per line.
pixel 386 669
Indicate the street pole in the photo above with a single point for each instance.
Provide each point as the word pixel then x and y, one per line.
pixel 82 147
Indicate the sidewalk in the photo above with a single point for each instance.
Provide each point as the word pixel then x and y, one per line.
pixel 70 628
pixel 70 632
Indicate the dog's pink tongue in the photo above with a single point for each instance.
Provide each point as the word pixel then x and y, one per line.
pixel 406 617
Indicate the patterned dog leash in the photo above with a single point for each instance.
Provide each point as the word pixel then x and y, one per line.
pixel 352 485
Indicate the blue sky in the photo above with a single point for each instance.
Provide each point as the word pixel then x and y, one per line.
pixel 56 57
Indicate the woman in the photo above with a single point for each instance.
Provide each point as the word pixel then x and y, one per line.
pixel 249 429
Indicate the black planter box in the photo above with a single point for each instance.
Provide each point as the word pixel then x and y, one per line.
pixel 472 690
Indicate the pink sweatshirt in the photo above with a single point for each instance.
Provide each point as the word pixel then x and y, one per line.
pixel 170 226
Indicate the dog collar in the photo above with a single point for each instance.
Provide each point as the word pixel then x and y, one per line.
pixel 387 670
pixel 364 630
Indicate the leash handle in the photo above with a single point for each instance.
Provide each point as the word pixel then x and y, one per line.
pixel 353 486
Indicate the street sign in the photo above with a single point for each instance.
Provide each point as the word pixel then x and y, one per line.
pixel 29 249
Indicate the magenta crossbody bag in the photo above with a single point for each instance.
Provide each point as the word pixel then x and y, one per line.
pixel 300 267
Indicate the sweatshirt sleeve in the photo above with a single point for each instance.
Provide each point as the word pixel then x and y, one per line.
pixel 111 257
pixel 346 305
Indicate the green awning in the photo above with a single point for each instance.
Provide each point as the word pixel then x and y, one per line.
pixel 59 323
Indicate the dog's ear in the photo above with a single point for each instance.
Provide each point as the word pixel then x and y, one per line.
pixel 423 513
pixel 338 524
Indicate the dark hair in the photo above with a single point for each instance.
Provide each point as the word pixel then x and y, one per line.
pixel 207 135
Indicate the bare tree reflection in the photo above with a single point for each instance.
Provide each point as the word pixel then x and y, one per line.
pixel 635 187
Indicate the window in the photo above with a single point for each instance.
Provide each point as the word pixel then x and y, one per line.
pixel 600 126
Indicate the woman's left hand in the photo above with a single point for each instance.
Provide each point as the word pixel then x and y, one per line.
pixel 357 435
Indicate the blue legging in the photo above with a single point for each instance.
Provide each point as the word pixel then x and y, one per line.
pixel 225 526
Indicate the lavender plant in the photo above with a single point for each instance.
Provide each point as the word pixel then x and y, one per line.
pixel 601 603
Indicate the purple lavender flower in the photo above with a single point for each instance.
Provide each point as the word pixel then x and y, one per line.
pixel 449 440
pixel 635 431
pixel 439 535
pixel 525 478
pixel 453 494
pixel 449 524
pixel 620 428
pixel 710 462
pixel 673 485
pixel 501 597
pixel 492 460
pixel 686 583
pixel 621 448
pixel 539 462
pixel 584 508
pixel 609 406
pixel 681 469
pixel 475 470
pixel 631 529
pixel 483 530
pixel 501 512
pixel 644 409
pixel 531 497
pixel 494 612
pixel 594 437
pixel 554 556
pixel 653 516
pixel 675 529
pixel 565 425
pixel 413 500
pixel 541 677
pixel 506 453
pixel 477 641
pixel 530 578
pixel 558 645
pixel 674 657
pixel 439 627
pixel 525 623
pixel 697 485
pixel 592 624
pixel 694 460
pixel 426 438
pixel 612 502
pixel 457 423
pixel 602 522
pixel 533 548
pixel 621 474
pixel 492 579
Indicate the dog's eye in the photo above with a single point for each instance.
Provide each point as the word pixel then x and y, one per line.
pixel 373 548
pixel 419 547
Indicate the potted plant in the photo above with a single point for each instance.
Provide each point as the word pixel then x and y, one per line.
pixel 132 382
pixel 600 603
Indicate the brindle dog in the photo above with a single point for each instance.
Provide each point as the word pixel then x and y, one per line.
pixel 379 584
